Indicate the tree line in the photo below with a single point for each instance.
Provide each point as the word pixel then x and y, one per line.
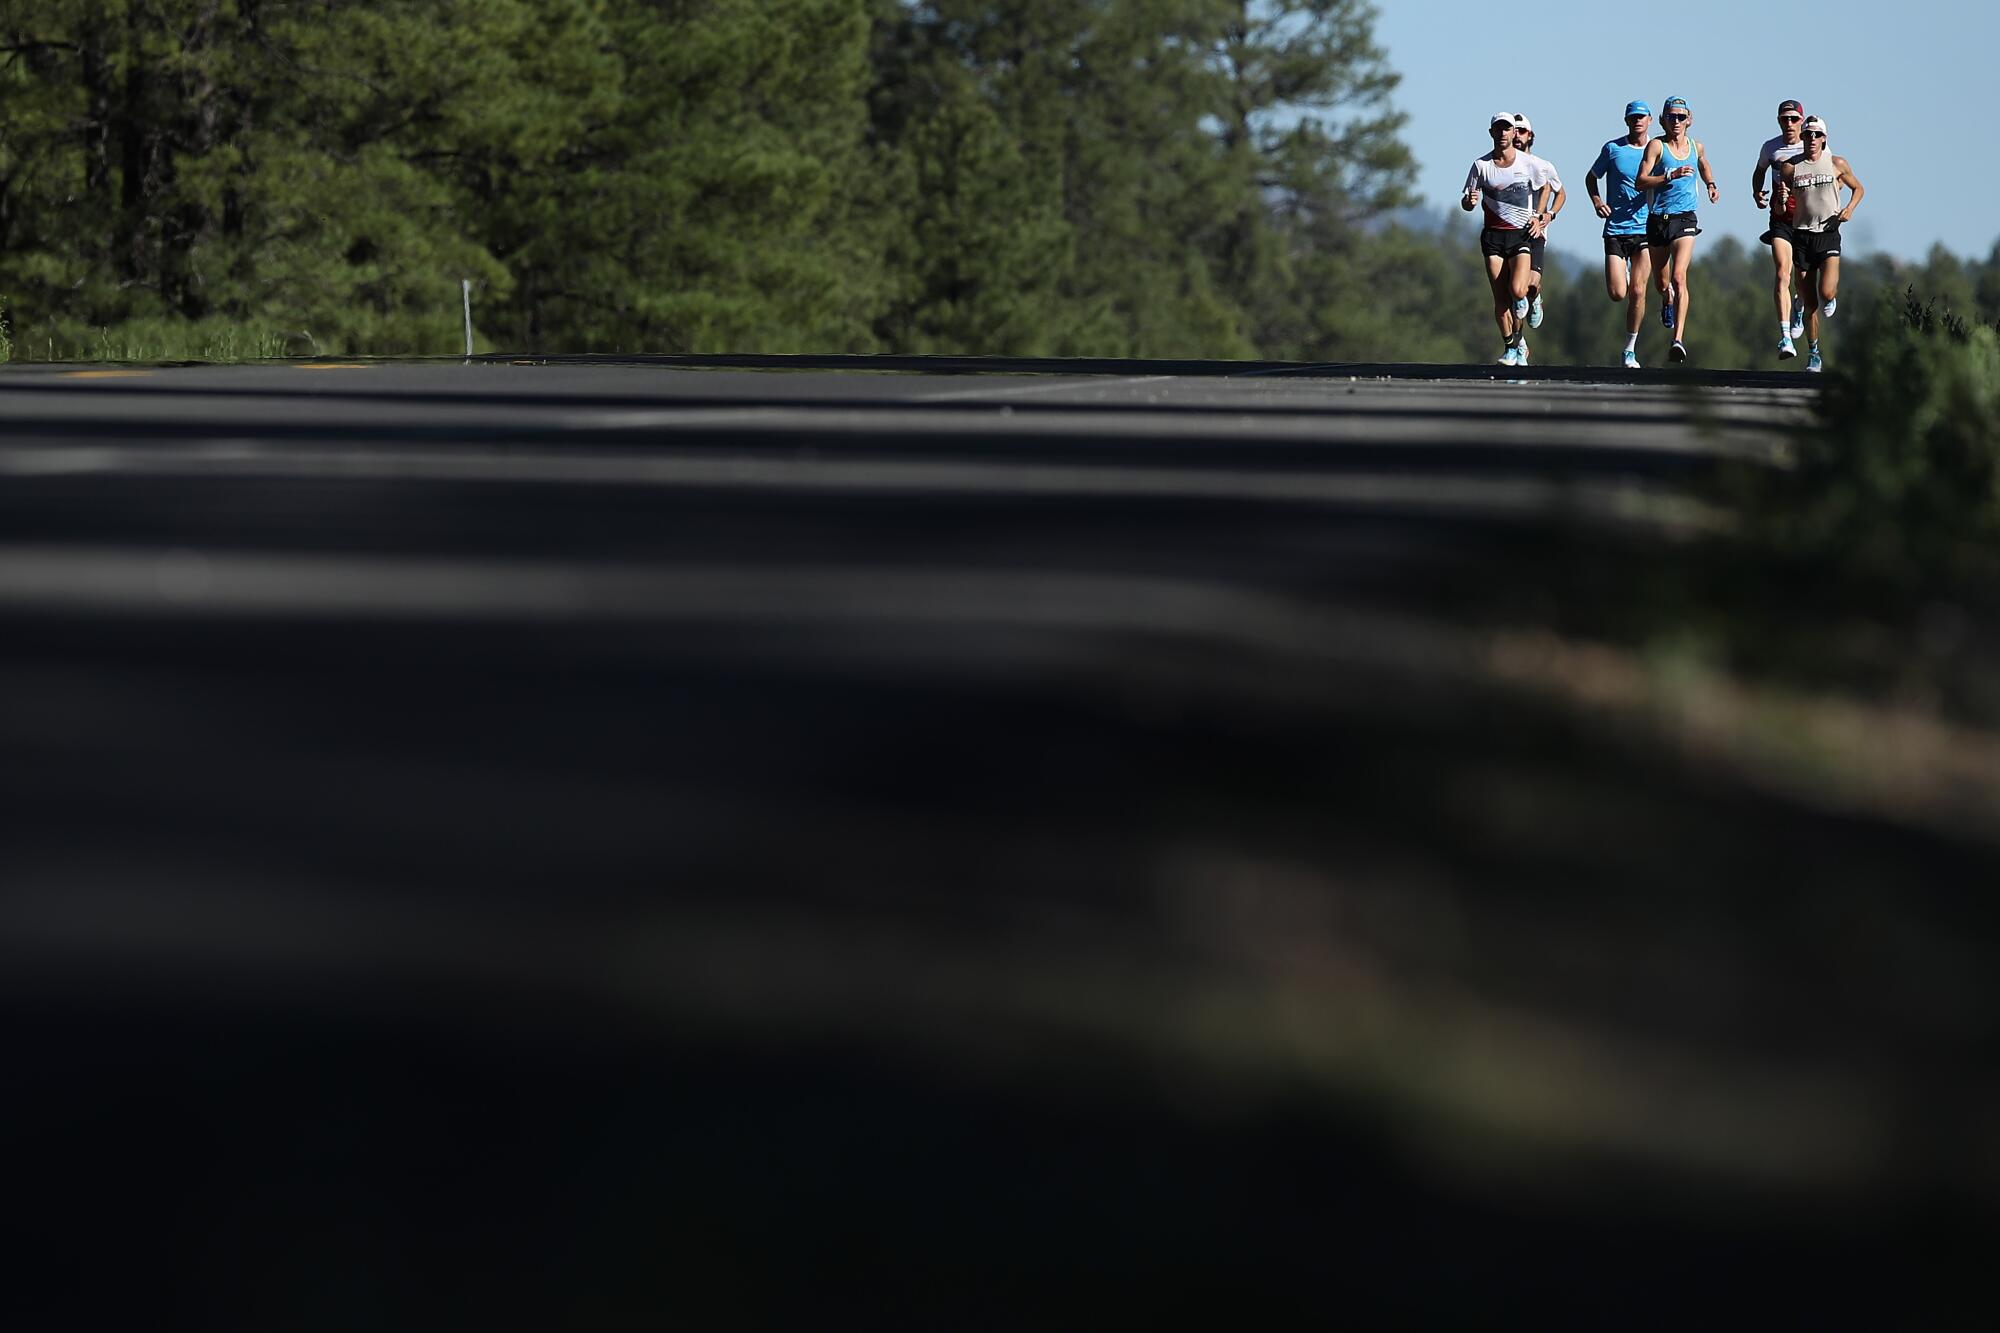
pixel 1211 178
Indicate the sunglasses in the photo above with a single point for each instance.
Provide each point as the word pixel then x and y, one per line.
pixel 1814 134
pixel 1791 120
pixel 1673 120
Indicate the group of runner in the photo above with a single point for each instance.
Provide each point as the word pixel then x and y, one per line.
pixel 1649 207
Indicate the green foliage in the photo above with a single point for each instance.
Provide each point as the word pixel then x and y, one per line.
pixel 1902 481
pixel 1103 177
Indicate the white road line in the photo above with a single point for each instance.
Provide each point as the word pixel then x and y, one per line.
pixel 1022 391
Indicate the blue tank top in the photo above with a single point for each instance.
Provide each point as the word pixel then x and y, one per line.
pixel 1677 196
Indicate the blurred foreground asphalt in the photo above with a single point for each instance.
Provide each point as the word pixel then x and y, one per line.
pixel 594 846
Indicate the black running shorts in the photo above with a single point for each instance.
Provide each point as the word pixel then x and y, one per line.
pixel 1666 228
pixel 1810 249
pixel 1781 231
pixel 1503 242
pixel 1624 247
pixel 1536 249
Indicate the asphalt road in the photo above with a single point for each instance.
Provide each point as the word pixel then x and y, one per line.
pixel 534 844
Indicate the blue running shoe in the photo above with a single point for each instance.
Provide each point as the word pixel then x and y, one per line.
pixel 1785 349
pixel 1812 360
pixel 1510 357
pixel 1667 314
pixel 1535 312
pixel 1798 329
pixel 1631 359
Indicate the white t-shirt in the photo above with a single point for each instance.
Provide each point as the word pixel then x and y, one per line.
pixel 1773 152
pixel 1508 193
pixel 1545 171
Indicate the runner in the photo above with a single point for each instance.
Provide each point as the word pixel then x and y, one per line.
pixel 1524 142
pixel 1669 170
pixel 1514 216
pixel 1815 180
pixel 1627 262
pixel 1787 146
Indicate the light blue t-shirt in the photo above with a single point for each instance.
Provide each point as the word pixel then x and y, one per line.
pixel 1618 161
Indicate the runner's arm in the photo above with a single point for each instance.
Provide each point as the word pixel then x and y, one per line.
pixel 1707 176
pixel 1757 177
pixel 1597 168
pixel 1646 179
pixel 1469 200
pixel 1852 182
pixel 1538 225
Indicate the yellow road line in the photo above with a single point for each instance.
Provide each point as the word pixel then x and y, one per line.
pixel 103 374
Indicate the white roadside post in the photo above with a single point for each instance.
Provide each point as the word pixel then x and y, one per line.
pixel 465 289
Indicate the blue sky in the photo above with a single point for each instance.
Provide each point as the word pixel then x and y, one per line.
pixel 1898 87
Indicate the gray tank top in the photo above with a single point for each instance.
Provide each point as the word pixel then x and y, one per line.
pixel 1816 187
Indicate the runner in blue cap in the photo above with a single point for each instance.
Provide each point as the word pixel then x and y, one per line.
pixel 1628 264
pixel 1669 170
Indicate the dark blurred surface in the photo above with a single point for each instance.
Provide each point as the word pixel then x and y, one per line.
pixel 652 851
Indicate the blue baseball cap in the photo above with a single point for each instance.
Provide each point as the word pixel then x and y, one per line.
pixel 1637 109
pixel 1673 102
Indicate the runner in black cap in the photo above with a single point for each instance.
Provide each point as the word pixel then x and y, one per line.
pixel 1788 146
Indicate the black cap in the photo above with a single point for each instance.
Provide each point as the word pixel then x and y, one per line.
pixel 1791 104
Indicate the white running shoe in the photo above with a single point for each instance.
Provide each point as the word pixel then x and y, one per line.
pixel 1785 349
pixel 1521 308
pixel 1510 357
pixel 1798 329
pixel 1521 353
pixel 1812 361
pixel 1826 311
pixel 1535 312
pixel 1631 359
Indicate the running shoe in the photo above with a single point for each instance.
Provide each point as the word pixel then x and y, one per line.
pixel 1521 313
pixel 1798 329
pixel 1521 353
pixel 1510 357
pixel 1785 349
pixel 1812 361
pixel 1678 352
pixel 1631 359
pixel 1535 312
pixel 1826 311
pixel 1667 314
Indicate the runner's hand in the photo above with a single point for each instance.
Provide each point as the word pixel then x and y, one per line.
pixel 1603 209
pixel 1713 192
pixel 1763 198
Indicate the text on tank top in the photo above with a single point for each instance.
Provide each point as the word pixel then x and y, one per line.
pixel 1816 192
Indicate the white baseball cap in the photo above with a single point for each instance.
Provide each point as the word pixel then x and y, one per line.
pixel 1521 124
pixel 1813 124
pixel 1502 118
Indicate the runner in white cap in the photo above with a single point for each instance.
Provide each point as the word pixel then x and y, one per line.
pixel 1515 213
pixel 1789 145
pixel 1524 143
pixel 1669 170
pixel 1815 180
